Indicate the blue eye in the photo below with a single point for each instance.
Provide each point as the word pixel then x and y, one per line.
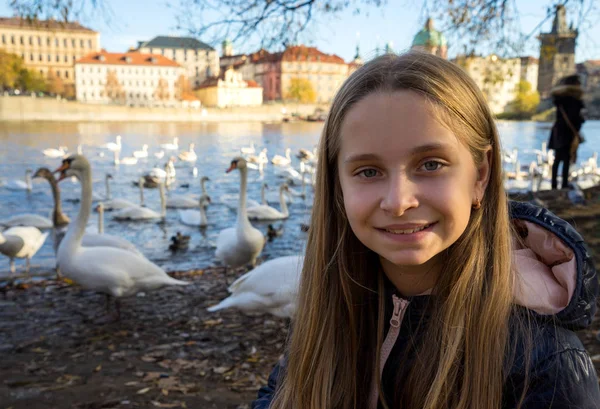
pixel 432 165
pixel 368 173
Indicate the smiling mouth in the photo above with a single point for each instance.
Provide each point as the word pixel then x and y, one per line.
pixel 408 231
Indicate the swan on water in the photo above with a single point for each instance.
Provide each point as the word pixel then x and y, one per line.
pixel 19 185
pixel 279 160
pixel 143 213
pixel 191 217
pixel 266 212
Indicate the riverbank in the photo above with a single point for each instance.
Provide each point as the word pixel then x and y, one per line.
pixel 167 351
pixel 21 109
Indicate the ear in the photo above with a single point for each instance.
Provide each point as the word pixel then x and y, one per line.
pixel 483 172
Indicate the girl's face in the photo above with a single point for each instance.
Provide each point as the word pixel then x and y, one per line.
pixel 408 183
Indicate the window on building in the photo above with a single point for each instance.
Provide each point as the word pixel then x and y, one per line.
pixel 30 57
pixel 42 72
pixel 81 43
pixel 30 40
pixel 21 39
pixel 48 41
pixel 66 74
pixel 73 58
pixel 41 57
pixel 89 43
pixel 56 42
pixel 49 58
pixel 58 73
pixel 12 39
pixel 82 82
pixel 3 39
pixel 57 58
pixel 39 40
pixel 66 58
pixel 23 56
pixel 65 42
pixel 73 42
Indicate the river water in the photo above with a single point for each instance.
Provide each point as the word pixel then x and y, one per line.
pixel 21 146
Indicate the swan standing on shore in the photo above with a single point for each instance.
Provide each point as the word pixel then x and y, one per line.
pixel 241 244
pixel 272 288
pixel 21 242
pixel 109 270
pixel 266 212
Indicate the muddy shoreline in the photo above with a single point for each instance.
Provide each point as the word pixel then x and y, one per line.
pixel 166 351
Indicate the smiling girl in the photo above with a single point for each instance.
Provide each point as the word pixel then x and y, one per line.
pixel 423 287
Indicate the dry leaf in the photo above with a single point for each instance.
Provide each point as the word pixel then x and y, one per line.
pixel 98 368
pixel 142 391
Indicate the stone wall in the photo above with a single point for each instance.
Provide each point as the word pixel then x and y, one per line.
pixel 50 109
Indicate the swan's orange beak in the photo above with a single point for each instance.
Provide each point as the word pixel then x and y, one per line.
pixel 232 167
pixel 62 169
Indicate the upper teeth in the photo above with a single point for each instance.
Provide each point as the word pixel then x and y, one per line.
pixel 409 231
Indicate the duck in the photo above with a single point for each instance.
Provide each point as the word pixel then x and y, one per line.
pixel 279 160
pixel 273 232
pixel 19 185
pixel 138 213
pixel 266 212
pixel 179 242
pixel 141 154
pixel 241 244
pixel 111 204
pixel 112 271
pixel 114 146
pixel 171 146
pixel 21 242
pixel 195 217
pixel 271 288
pixel 248 150
pixel 55 153
pixel 189 155
pixel 59 219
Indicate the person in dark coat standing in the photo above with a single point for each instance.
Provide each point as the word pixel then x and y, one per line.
pixel 567 97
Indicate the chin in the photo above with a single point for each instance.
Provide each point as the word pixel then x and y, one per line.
pixel 408 259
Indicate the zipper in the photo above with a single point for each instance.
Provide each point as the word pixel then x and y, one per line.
pixel 400 306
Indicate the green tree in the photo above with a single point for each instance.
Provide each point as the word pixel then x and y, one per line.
pixel 30 80
pixel 10 68
pixel 526 101
pixel 301 90
pixel 55 84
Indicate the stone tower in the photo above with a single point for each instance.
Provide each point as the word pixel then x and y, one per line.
pixel 227 47
pixel 557 52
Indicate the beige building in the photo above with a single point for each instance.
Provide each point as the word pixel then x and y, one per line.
pixel 48 46
pixel 230 89
pixel 200 60
pixel 498 78
pixel 132 78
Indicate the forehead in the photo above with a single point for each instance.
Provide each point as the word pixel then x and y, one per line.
pixel 393 123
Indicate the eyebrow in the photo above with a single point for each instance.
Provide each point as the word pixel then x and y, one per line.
pixel 415 151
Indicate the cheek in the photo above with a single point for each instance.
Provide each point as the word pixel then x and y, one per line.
pixel 359 205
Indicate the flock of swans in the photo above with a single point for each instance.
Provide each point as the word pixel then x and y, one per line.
pixel 111 265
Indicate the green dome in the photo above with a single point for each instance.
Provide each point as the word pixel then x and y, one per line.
pixel 429 37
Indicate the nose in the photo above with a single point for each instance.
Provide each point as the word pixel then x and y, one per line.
pixel 400 196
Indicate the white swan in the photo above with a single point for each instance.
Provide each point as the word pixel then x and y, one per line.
pixel 113 271
pixel 114 204
pixel 55 153
pixel 266 212
pixel 189 155
pixel 171 146
pixel 188 201
pixel 21 242
pixel 28 219
pixel 272 288
pixel 114 146
pixel 241 244
pixel 191 217
pixel 260 158
pixel 248 150
pixel 141 154
pixel 143 213
pixel 282 160
pixel 16 184
pixel 159 154
pixel 228 199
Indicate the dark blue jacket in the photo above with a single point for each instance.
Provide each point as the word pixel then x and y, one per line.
pixel 561 374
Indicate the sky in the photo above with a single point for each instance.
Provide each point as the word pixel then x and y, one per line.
pixel 397 22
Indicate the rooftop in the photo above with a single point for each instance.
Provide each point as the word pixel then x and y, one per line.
pixel 131 58
pixel 429 37
pixel 176 42
pixel 43 24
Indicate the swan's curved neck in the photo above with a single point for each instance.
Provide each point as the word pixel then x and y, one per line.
pixel 284 208
pixel 72 240
pixel 203 219
pixel 203 186
pixel 58 214
pixel 107 185
pixel 242 216
pixel 101 220
pixel 263 196
pixel 28 181
pixel 141 186
pixel 163 200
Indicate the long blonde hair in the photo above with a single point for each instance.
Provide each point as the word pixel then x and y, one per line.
pixel 335 344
